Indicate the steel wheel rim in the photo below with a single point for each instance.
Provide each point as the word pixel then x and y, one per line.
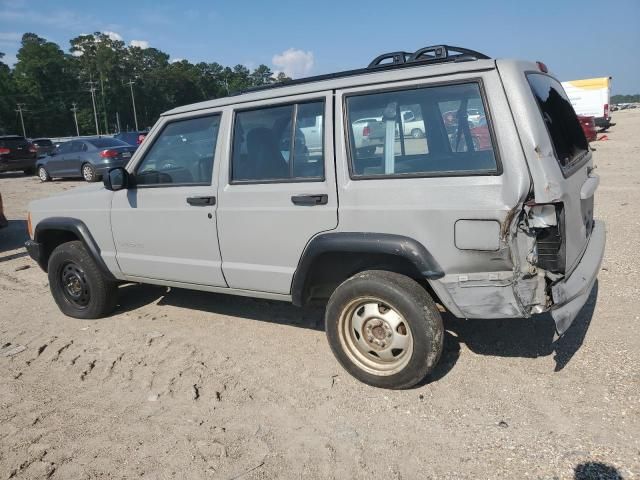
pixel 42 173
pixel 74 285
pixel 375 336
pixel 87 173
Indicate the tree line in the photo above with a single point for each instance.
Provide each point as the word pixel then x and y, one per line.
pixel 625 98
pixel 48 84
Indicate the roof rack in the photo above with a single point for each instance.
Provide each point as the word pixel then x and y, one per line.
pixel 388 61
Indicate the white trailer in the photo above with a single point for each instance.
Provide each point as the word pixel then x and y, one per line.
pixel 591 97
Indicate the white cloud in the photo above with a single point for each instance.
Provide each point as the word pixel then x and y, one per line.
pixel 113 35
pixel 77 53
pixel 139 43
pixel 294 62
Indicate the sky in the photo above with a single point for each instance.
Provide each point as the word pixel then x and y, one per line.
pixel 575 39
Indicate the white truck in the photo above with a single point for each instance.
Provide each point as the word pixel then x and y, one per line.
pixel 590 97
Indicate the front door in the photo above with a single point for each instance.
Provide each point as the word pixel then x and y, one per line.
pixel 279 190
pixel 164 226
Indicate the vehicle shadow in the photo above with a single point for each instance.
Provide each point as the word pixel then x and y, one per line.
pixel 527 338
pixel 12 238
pixel 15 174
pixel 133 296
pixel 596 471
pixel 524 337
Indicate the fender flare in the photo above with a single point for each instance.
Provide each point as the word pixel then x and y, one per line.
pixel 78 228
pixel 361 242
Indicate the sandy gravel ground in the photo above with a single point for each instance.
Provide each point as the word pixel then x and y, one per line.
pixel 181 384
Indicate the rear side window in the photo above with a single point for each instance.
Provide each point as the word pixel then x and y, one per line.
pixel 282 143
pixel 429 131
pixel 566 134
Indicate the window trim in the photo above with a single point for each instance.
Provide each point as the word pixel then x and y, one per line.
pixel 417 86
pixel 579 161
pixel 148 149
pixel 295 105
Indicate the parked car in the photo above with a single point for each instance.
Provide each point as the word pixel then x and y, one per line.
pixel 16 153
pixel 588 125
pixel 3 219
pixel 44 146
pixel 383 239
pixel 368 134
pixel 88 158
pixel 132 138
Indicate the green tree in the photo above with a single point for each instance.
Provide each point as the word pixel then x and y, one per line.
pixel 7 106
pixel 43 81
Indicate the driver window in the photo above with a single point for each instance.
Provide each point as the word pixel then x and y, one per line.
pixel 182 154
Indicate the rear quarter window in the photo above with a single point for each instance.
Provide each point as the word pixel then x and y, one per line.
pixel 564 129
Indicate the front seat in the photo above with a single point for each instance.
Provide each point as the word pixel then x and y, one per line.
pixel 264 156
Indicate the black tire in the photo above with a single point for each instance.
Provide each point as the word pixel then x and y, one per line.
pixel 88 172
pixel 43 175
pixel 414 305
pixel 29 171
pixel 417 133
pixel 77 284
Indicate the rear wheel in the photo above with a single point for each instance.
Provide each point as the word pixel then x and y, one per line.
pixel 384 329
pixel 89 172
pixel 43 175
pixel 77 284
pixel 417 133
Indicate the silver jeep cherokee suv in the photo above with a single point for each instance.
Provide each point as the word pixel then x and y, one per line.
pixel 269 193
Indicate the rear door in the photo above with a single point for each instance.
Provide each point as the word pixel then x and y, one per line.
pixel 277 189
pixel 563 175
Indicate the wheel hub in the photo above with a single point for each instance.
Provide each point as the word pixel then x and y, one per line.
pixel 377 332
pixel 75 286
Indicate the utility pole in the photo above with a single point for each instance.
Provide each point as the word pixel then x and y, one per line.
pixel 133 101
pixel 118 121
pixel 92 89
pixel 104 106
pixel 75 117
pixel 19 110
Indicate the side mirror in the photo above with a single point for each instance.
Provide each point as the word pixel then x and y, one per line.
pixel 116 179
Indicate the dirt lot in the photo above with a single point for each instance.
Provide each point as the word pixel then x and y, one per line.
pixel 193 385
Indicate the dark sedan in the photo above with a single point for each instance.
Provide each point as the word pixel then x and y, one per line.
pixel 17 153
pixel 88 158
pixel 132 138
pixel 44 146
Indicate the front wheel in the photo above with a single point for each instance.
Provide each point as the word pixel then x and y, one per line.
pixel 78 286
pixel 384 329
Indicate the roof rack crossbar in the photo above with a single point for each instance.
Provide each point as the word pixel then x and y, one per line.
pixel 431 54
pixel 397 58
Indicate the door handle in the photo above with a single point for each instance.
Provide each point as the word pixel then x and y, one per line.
pixel 201 201
pixel 310 200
